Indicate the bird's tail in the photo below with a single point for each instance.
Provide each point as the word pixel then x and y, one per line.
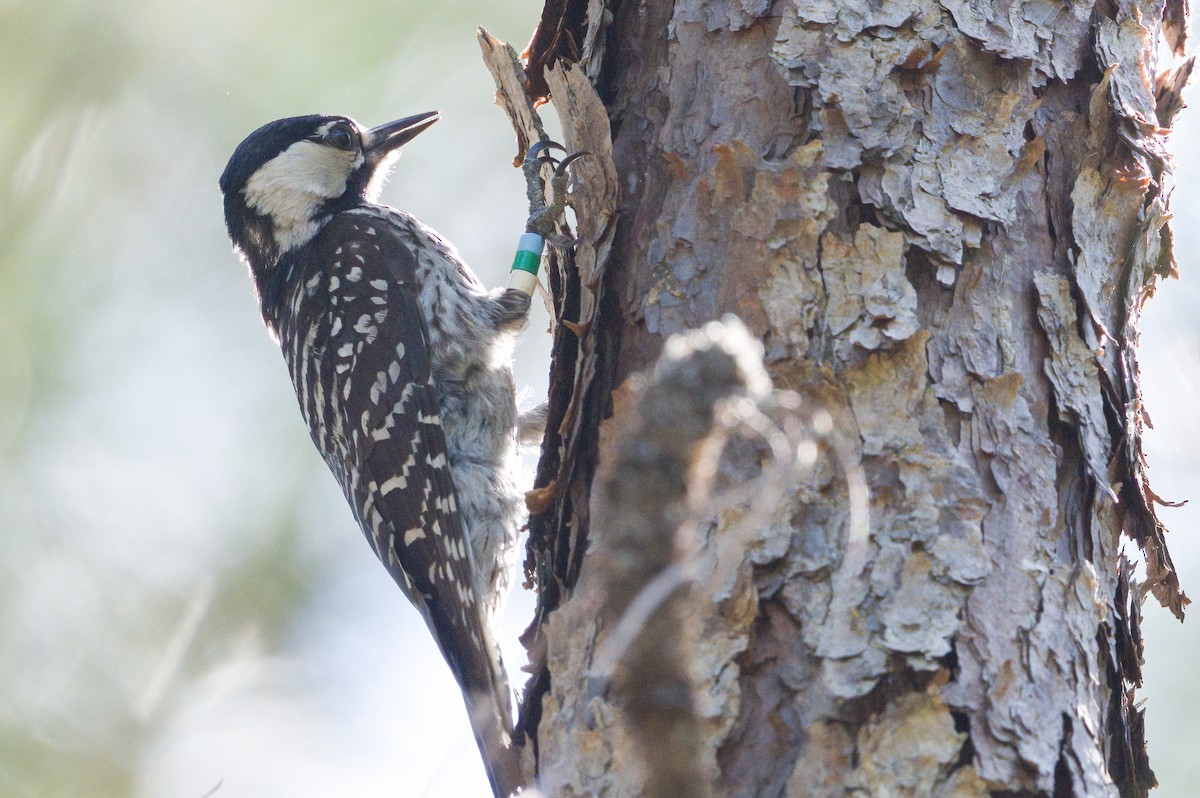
pixel 493 735
pixel 481 676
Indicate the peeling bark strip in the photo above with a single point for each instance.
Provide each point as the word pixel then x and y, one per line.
pixel 581 350
pixel 943 220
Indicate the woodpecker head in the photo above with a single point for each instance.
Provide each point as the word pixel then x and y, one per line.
pixel 291 175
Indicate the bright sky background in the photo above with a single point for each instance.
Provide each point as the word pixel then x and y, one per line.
pixel 185 601
pixel 1170 359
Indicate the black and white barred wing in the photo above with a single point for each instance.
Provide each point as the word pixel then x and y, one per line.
pixel 396 473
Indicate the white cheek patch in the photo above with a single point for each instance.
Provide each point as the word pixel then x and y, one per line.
pixel 291 186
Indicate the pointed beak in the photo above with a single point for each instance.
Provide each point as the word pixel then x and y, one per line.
pixel 385 139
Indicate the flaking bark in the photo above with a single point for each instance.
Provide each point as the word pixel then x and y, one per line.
pixel 943 222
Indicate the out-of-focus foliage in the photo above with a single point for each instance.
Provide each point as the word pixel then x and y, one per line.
pixel 184 598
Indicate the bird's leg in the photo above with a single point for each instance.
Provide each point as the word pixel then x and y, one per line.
pixel 544 215
pixel 511 310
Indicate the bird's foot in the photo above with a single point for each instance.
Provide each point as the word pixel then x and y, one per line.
pixel 543 215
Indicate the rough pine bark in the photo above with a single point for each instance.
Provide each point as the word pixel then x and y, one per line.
pixel 941 220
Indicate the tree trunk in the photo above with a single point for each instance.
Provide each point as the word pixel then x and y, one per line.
pixel 941 222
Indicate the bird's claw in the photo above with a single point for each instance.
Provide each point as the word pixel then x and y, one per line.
pixel 561 169
pixel 543 215
pixel 537 156
pixel 540 151
pixel 535 149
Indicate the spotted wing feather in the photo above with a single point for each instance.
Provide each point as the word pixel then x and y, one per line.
pixel 378 426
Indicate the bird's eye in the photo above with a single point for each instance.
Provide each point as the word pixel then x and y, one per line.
pixel 341 138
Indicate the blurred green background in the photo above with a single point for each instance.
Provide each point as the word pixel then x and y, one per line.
pixel 185 603
pixel 185 600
